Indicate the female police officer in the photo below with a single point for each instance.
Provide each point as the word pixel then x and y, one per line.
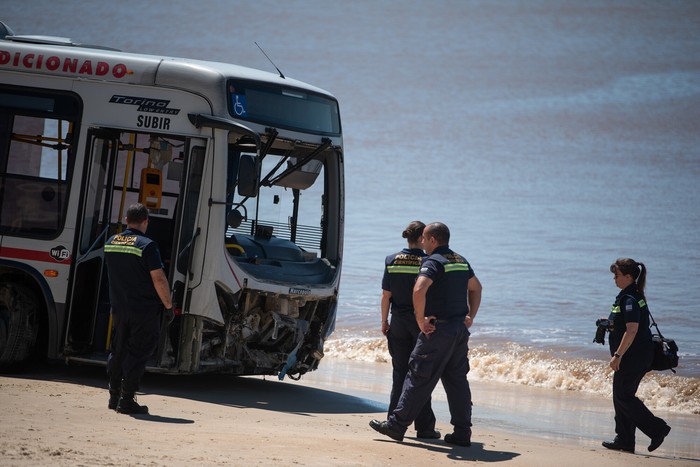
pixel 632 352
pixel 400 272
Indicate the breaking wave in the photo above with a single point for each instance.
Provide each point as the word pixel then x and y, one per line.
pixel 518 364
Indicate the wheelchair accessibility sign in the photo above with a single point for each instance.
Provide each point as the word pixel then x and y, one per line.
pixel 238 104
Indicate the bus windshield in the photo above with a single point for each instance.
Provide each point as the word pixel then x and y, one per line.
pixel 281 235
pixel 284 107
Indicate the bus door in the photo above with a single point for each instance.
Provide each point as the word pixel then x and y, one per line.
pixel 88 300
pixel 184 271
pixel 121 167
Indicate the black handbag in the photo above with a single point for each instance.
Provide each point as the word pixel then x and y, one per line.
pixel 665 350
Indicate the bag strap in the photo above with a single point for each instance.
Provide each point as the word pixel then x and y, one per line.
pixel 653 322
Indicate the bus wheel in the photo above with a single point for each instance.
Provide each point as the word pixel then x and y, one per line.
pixel 19 324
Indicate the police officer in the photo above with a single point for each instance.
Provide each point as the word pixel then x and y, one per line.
pixel 446 298
pixel 632 352
pixel 137 290
pixel 400 273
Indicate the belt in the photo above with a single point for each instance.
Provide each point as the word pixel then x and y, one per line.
pixel 451 320
pixel 403 314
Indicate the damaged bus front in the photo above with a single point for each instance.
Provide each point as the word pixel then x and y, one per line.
pixel 274 243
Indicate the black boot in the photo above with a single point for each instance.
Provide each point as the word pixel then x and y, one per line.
pixel 113 399
pixel 115 390
pixel 128 405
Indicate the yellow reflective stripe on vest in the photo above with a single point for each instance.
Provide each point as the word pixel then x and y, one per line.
pixel 616 308
pixel 132 250
pixel 403 269
pixel 456 267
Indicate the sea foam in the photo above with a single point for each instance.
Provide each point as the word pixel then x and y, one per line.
pixel 518 364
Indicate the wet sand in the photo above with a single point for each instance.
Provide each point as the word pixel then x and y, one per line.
pixel 55 415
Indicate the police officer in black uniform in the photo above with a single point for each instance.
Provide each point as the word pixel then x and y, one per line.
pixel 138 289
pixel 400 271
pixel 446 298
pixel 632 352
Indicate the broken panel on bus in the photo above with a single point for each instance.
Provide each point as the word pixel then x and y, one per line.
pixel 278 234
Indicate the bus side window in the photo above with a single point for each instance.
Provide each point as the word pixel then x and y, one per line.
pixel 34 176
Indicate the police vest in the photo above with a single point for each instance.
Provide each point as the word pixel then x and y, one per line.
pixel 643 337
pixel 447 296
pixel 401 270
pixel 130 258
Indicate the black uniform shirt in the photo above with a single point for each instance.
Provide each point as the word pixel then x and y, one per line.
pixel 630 307
pixel 400 272
pixel 450 272
pixel 130 258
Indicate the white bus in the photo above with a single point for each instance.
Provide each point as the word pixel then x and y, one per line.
pixel 242 172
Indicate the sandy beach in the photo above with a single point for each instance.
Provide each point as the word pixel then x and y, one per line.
pixel 56 415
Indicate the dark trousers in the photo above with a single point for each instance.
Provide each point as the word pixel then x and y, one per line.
pixel 441 355
pixel 630 411
pixel 134 339
pixel 401 339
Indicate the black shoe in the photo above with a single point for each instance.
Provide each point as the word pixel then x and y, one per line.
pixel 428 434
pixel 615 445
pixel 113 401
pixel 657 440
pixel 385 429
pixel 450 439
pixel 128 405
pixel 115 391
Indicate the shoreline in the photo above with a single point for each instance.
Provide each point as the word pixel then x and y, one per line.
pixel 57 415
pixel 527 366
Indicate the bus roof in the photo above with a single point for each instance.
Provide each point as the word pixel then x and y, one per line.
pixel 57 56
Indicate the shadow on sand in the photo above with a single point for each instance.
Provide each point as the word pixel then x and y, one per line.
pixel 476 452
pixel 231 391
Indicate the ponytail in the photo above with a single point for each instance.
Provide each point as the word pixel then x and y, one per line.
pixel 642 279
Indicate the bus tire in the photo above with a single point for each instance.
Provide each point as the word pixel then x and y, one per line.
pixel 19 324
